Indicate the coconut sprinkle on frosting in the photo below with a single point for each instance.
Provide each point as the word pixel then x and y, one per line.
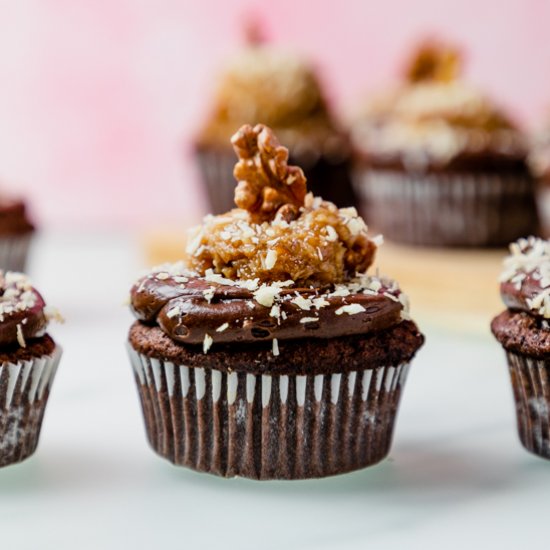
pixel 530 259
pixel 283 265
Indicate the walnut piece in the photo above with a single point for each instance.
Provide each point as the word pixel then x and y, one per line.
pixel 266 183
pixel 434 61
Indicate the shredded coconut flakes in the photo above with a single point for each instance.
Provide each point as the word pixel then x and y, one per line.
pixel 207 343
pixel 350 309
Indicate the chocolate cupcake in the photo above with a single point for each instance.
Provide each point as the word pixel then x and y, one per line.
pixel 265 85
pixel 524 332
pixel 440 164
pixel 28 362
pixel 271 353
pixel 16 231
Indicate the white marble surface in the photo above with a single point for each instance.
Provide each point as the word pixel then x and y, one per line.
pixel 456 477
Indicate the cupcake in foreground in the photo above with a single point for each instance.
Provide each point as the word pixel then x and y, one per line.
pixel 271 353
pixel 16 231
pixel 28 362
pixel 440 163
pixel 263 84
pixel 524 332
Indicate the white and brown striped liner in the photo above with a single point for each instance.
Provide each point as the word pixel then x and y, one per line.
pixel 14 251
pixel 24 391
pixel 448 209
pixel 268 427
pixel 531 387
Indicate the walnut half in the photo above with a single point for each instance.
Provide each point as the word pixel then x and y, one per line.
pixel 266 183
pixel 434 61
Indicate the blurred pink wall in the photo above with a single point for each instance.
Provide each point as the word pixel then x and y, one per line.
pixel 99 98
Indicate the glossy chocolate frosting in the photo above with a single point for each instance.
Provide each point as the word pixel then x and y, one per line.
pixel 519 298
pixel 190 308
pixel 22 314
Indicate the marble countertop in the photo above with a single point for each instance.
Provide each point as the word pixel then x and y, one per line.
pixel 456 476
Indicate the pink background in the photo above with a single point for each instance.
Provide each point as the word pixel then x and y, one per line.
pixel 100 98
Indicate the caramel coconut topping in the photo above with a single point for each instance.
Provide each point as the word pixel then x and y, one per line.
pixel 434 118
pixel 23 313
pixel 283 265
pixel 265 84
pixel 525 281
pixel 279 233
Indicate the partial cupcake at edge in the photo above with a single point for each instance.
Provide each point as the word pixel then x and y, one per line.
pixel 270 352
pixel 16 232
pixel 440 163
pixel 266 84
pixel 28 363
pixel 523 330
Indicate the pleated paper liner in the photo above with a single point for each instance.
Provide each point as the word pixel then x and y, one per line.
pixel 531 387
pixel 24 391
pixel 449 209
pixel 14 250
pixel 268 427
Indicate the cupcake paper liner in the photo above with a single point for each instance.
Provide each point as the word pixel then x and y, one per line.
pixel 13 252
pixel 331 181
pixel 24 391
pixel 531 387
pixel 268 426
pixel 448 209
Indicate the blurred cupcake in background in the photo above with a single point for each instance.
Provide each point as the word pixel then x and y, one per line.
pixel 439 163
pixel 539 161
pixel 16 231
pixel 262 84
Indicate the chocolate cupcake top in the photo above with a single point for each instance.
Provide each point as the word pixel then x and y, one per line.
pixel 525 281
pixel 280 89
pixel 436 120
pixel 24 315
pixel 282 265
pixel 524 326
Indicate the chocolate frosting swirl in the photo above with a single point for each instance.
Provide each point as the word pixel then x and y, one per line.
pixel 191 308
pixel 22 310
